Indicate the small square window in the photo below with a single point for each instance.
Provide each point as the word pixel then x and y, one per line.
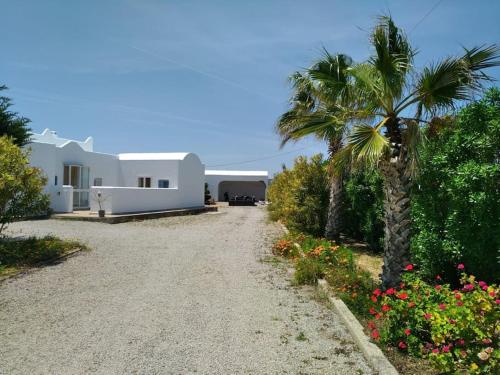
pixel 98 181
pixel 163 184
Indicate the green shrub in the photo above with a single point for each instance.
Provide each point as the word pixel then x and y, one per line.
pixel 21 186
pixel 363 207
pixel 456 203
pixel 299 196
pixel 32 250
pixel 456 329
pixel 308 271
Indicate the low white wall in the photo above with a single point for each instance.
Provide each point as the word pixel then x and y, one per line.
pixel 61 198
pixel 117 200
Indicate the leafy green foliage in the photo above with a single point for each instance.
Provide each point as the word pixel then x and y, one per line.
pixel 456 205
pixel 21 185
pixel 455 329
pixel 308 271
pixel 363 207
pixel 11 124
pixel 299 196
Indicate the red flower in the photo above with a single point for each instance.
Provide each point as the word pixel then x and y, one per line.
pixel 386 308
pixel 375 334
pixel 435 351
pixel 373 298
pixel 371 324
pixel 482 283
pixel 492 294
pixel 402 345
pixel 372 311
pixel 438 287
pixel 461 342
pixel 487 341
pixel 403 296
pixel 377 292
pixel 438 277
pixel 442 306
pixel 427 316
pixel 378 316
pixel 458 296
pixel 461 266
pixel 407 332
pixel 390 291
pixel 460 303
pixel 484 287
pixel 409 267
pixel 497 301
pixel 411 304
pixel 446 349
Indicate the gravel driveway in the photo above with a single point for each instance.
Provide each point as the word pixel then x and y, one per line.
pixel 186 295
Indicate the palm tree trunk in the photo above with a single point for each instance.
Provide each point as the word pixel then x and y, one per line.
pixel 333 223
pixel 397 186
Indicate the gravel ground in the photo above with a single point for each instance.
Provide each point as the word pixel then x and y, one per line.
pixel 185 295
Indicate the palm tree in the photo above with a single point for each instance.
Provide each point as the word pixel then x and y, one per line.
pixel 393 102
pixel 318 94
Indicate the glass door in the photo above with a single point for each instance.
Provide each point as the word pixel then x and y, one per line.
pixel 78 177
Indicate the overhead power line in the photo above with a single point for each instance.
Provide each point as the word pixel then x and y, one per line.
pixel 426 15
pixel 263 158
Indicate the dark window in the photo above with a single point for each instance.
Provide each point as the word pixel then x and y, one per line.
pixel 98 181
pixel 144 182
pixel 163 184
pixel 55 180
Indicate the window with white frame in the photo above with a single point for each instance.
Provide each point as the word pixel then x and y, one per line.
pixel 144 182
pixel 163 184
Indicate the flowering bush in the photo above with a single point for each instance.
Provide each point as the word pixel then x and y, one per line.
pixel 458 330
pixel 283 247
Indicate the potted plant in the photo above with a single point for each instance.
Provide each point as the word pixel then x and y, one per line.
pixel 99 198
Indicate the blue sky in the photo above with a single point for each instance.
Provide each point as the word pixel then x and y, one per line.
pixel 203 76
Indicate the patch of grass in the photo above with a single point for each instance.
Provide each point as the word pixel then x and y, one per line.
pixel 18 253
pixel 308 271
pixel 301 336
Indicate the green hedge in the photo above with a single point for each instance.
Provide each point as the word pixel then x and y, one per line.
pixel 363 208
pixel 299 196
pixel 456 202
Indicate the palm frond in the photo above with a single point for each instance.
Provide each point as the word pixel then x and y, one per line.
pixel 368 144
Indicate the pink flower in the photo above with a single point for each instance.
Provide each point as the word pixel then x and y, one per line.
pixel 461 266
pixel 371 324
pixel 469 287
pixel 461 342
pixel 484 287
pixel 378 316
pixel 435 351
pixel 482 283
pixel 438 287
pixel 446 348
pixel 487 341
pixel 427 316
pixel 492 294
pixel 438 277
pixel 442 306
pixel 409 267
pixel 372 311
pixel 460 303
pixel 497 301
pixel 407 332
pixel 402 345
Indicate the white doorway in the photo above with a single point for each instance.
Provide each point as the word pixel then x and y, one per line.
pixel 78 177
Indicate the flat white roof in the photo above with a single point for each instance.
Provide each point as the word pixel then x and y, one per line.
pixel 209 172
pixel 153 156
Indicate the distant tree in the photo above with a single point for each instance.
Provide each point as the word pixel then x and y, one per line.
pixel 11 124
pixel 21 186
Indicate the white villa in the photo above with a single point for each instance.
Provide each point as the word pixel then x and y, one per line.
pixel 80 178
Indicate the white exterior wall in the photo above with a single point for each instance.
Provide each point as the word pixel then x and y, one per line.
pixel 213 179
pixel 119 177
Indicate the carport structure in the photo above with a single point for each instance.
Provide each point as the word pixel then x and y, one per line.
pixel 250 183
